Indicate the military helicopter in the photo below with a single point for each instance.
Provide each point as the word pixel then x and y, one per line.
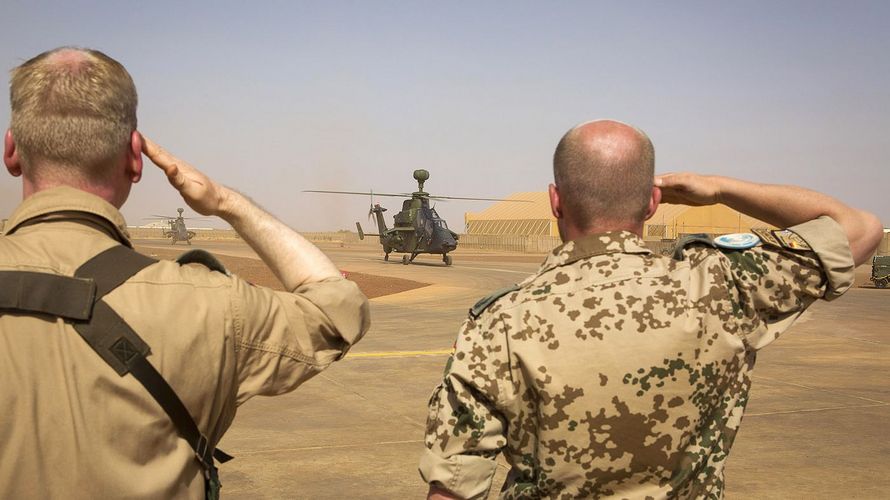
pixel 417 228
pixel 177 230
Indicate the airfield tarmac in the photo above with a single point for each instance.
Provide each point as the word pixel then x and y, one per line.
pixel 815 427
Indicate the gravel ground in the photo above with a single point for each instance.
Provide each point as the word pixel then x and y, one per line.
pixel 256 272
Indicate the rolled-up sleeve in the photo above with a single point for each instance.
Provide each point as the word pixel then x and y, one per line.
pixel 465 427
pixel 775 285
pixel 829 242
pixel 283 339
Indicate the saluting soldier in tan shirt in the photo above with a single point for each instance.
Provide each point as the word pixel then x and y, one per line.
pixel 616 372
pixel 70 426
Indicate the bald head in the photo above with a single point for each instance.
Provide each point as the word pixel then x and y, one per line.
pixel 604 173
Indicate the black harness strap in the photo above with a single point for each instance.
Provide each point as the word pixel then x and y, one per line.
pixel 79 300
pixel 69 298
pixel 122 348
pixel 111 268
pixel 106 332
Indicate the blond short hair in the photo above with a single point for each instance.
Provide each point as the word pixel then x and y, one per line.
pixel 73 111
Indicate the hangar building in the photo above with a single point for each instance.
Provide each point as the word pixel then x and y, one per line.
pixel 532 217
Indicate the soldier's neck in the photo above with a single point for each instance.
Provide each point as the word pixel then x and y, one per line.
pixel 571 232
pixel 31 187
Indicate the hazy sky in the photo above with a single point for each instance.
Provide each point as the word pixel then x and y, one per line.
pixel 276 97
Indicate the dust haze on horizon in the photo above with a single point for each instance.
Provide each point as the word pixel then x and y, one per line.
pixel 279 97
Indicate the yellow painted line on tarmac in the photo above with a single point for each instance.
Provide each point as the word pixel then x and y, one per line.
pixel 398 354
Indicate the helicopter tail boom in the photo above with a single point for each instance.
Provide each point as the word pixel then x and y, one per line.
pixel 362 233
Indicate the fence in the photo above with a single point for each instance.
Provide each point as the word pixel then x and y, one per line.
pixel 500 243
pixel 341 238
pixel 509 243
pixel 200 234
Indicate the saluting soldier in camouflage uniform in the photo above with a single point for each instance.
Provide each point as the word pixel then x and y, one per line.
pixel 616 372
pixel 135 407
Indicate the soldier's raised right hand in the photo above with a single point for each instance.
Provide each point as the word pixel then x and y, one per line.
pixel 200 192
pixel 687 188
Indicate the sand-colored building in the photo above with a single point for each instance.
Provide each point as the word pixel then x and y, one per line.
pixel 529 215
pixel 533 217
pixel 674 221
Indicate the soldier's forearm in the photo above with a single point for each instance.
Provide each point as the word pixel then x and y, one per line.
pixel 785 206
pixel 292 258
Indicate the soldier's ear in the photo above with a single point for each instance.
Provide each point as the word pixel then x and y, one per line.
pixel 134 157
pixel 555 202
pixel 11 155
pixel 654 201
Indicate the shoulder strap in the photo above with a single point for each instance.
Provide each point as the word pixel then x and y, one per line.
pixel 691 239
pixel 122 348
pixel 490 299
pixel 203 257
pixel 79 299
pixel 106 332
pixel 44 293
pixel 112 267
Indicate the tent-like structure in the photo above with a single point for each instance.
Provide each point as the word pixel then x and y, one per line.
pixel 531 216
pixel 674 221
pixel 534 218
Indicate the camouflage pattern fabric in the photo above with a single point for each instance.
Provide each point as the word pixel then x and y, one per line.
pixel 615 372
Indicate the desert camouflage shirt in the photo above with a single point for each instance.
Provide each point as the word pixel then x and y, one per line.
pixel 615 372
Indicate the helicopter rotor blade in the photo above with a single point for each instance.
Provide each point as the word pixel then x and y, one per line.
pixel 408 195
pixel 443 198
pixel 362 193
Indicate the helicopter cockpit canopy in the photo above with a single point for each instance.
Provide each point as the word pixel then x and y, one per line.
pixel 438 221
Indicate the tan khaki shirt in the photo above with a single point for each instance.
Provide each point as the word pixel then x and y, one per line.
pixel 614 372
pixel 70 427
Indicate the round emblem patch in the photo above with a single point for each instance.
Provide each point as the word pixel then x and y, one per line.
pixel 737 241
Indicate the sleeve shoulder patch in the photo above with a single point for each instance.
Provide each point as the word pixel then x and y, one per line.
pixel 781 238
pixel 791 240
pixel 737 241
pixel 488 300
pixel 202 257
pixel 766 236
